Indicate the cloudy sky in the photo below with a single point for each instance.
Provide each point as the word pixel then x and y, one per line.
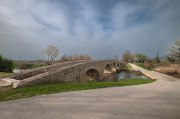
pixel 99 28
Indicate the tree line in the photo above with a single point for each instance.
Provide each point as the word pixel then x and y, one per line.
pixel 174 55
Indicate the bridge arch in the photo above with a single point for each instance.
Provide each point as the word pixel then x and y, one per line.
pixel 90 74
pixel 114 64
pixel 107 68
pixel 117 64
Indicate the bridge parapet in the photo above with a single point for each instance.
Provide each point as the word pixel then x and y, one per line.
pixel 33 72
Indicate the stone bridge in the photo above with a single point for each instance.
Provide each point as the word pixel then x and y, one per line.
pixel 76 71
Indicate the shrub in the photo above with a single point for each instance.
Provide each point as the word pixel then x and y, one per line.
pixel 6 65
pixel 29 66
pixel 150 60
pixel 150 65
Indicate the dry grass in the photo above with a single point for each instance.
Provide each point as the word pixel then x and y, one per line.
pixel 168 69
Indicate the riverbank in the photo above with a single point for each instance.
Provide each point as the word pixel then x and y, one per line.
pixel 126 67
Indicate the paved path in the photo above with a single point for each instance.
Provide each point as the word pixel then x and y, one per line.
pixel 157 100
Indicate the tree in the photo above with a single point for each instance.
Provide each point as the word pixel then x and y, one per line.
pixel 140 57
pixel 6 65
pixel 157 58
pixel 128 56
pixel 174 49
pixel 49 55
pixel 171 59
pixel 150 60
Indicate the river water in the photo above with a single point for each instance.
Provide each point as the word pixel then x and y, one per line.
pixel 123 74
pixel 18 70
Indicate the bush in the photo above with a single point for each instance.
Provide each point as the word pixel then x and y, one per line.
pixel 149 60
pixel 6 65
pixel 149 66
pixel 29 66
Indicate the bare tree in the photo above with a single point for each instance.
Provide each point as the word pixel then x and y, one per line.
pixel 115 57
pixel 174 49
pixel 75 57
pixel 21 58
pixel 49 55
pixel 128 56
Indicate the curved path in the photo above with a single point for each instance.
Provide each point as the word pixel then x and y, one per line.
pixel 157 100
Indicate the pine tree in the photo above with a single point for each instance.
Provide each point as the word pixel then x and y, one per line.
pixel 157 58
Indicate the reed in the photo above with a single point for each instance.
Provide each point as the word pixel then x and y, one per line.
pixel 168 69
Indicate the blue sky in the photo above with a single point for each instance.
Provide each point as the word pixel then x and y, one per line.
pixel 99 28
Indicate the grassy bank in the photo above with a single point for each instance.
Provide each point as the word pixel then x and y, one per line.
pixel 50 88
pixel 127 67
pixel 4 74
pixel 145 66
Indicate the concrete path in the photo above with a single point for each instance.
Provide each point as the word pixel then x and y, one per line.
pixel 157 100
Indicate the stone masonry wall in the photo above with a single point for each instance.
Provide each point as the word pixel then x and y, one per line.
pixel 71 73
pixel 34 72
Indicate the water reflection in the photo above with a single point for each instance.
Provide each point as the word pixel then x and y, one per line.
pixel 17 70
pixel 123 74
pixel 130 74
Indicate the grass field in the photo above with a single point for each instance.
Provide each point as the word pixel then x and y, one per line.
pixel 50 88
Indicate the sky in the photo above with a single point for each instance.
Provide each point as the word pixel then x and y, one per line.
pixel 99 28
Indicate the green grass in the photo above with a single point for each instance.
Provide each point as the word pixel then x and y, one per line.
pixel 50 88
pixel 142 65
pixel 127 67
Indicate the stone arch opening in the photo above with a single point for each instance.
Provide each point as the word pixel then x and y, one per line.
pixel 117 64
pixel 90 75
pixel 114 64
pixel 107 68
pixel 121 64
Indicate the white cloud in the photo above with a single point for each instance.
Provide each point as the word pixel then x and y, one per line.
pixel 28 26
